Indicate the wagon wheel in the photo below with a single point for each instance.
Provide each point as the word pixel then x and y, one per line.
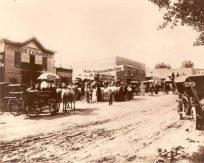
pixel 196 122
pixel 38 108
pixel 33 110
pixel 53 107
pixel 21 105
pixel 14 107
pixel 57 107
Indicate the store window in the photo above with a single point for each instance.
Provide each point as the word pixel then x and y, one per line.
pixel 32 59
pixel 44 63
pixel 17 61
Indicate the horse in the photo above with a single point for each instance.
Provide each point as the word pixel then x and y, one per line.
pixel 68 96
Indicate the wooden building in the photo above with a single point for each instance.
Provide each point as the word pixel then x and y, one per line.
pixel 22 62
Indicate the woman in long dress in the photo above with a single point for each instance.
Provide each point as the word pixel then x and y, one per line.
pixel 94 95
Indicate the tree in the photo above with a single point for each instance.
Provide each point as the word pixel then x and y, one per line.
pixel 184 12
pixel 187 64
pixel 162 65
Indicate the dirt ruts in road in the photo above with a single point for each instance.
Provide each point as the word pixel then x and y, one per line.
pixel 125 132
pixel 45 145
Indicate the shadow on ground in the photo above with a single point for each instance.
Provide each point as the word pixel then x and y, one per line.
pixel 48 116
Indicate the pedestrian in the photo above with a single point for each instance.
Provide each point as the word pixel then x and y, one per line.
pixel 110 94
pixel 87 94
pixel 151 89
pixel 142 88
pixel 94 94
pixel 129 92
pixel 98 93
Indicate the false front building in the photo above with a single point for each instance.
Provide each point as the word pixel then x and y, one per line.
pixel 22 62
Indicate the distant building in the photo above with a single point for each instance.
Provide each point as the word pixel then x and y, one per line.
pixel 21 62
pixel 64 74
pixel 199 71
pixel 111 69
pixel 164 72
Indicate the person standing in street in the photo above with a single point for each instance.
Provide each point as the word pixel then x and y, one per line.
pixel 110 94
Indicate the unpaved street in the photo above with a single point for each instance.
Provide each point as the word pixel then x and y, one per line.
pixel 146 129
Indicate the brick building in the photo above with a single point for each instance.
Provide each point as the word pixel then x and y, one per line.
pixel 111 69
pixel 21 62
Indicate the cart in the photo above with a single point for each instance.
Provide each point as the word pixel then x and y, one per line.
pixel 191 96
pixel 38 102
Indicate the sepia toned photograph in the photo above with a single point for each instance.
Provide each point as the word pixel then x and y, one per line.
pixel 102 81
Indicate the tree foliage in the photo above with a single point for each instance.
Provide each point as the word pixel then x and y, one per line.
pixel 184 12
pixel 187 64
pixel 162 65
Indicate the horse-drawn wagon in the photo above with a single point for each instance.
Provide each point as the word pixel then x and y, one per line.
pixel 33 102
pixel 191 97
pixel 37 102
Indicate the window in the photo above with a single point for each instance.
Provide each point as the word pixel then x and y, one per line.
pixel 17 61
pixel 44 63
pixel 32 59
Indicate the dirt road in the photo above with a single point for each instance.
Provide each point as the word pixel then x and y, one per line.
pixel 145 129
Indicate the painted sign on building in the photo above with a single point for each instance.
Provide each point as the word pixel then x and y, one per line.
pixel 29 49
pixel 107 77
pixel 64 74
pixel 105 70
pixel 105 73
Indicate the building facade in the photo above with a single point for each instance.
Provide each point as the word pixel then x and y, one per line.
pixel 64 74
pixel 164 72
pixel 199 71
pixel 111 69
pixel 22 62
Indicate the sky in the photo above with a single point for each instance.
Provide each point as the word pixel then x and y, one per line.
pixel 85 30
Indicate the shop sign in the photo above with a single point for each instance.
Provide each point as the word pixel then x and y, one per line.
pixel 105 70
pixel 28 50
pixel 64 74
pixel 106 77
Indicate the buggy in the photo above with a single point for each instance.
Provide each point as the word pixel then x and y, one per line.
pixel 191 97
pixel 36 102
pixel 19 101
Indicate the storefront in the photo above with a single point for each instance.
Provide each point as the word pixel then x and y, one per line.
pixel 64 74
pixel 22 62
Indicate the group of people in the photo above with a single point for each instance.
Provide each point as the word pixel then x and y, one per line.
pixel 42 86
pixel 106 92
pixel 110 92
